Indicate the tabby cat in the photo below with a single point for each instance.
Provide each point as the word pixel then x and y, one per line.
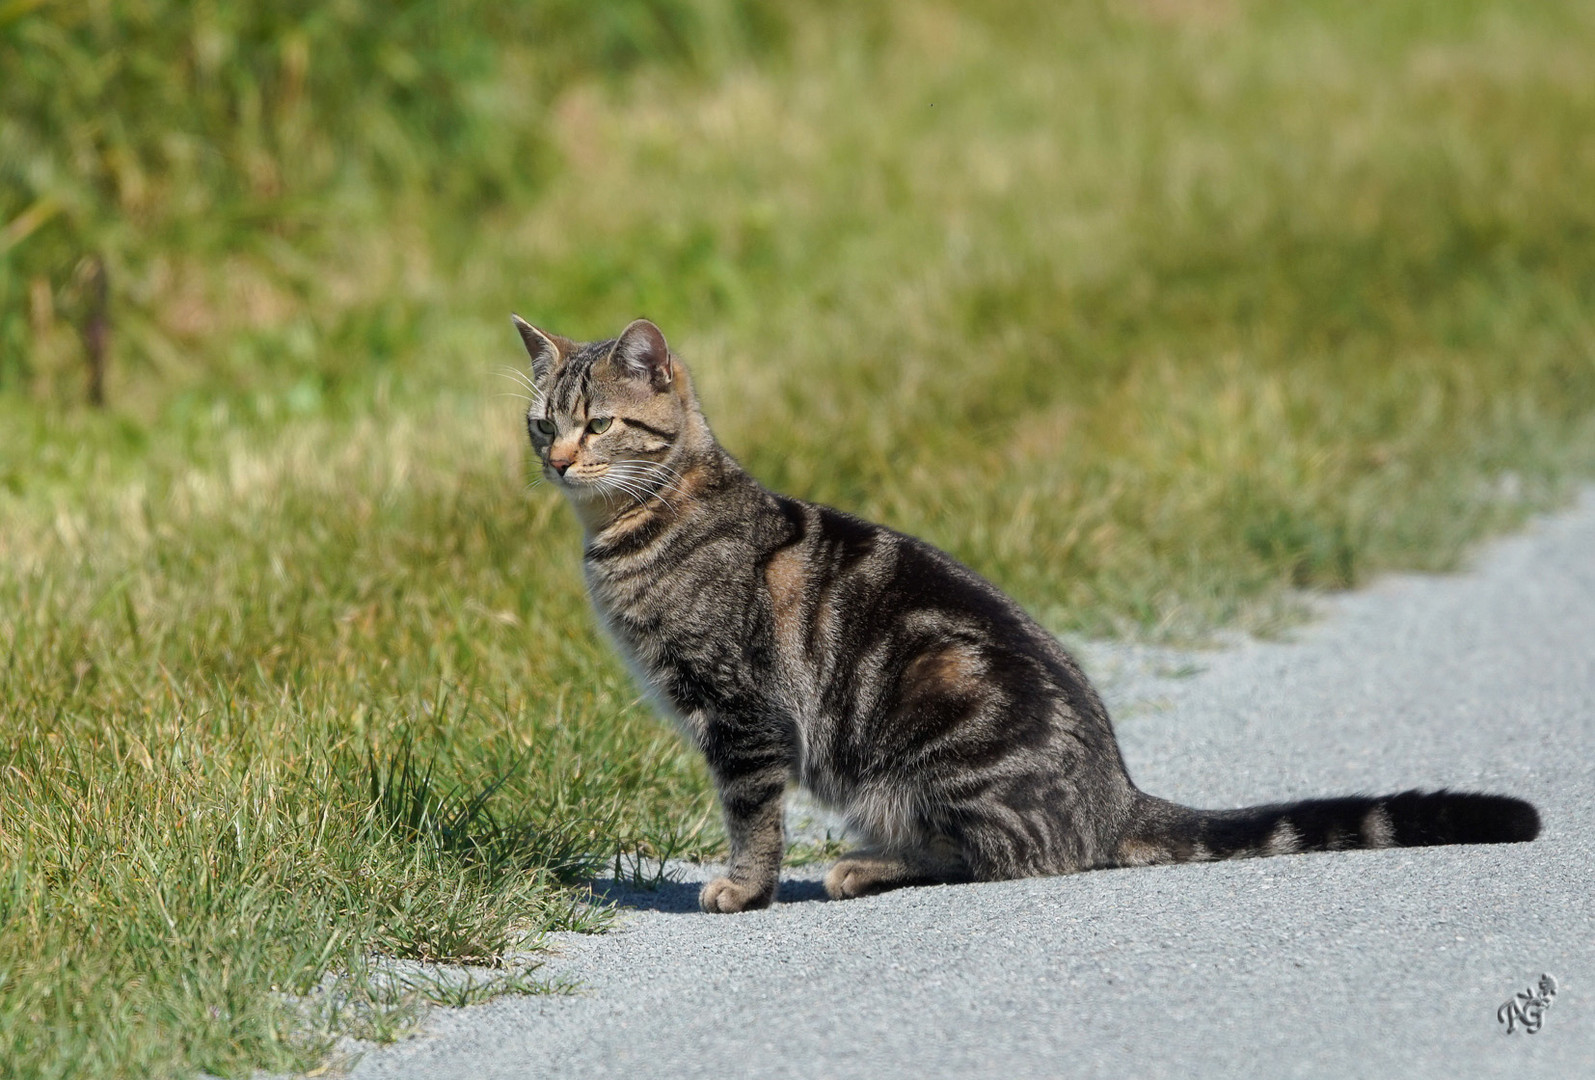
pixel 795 642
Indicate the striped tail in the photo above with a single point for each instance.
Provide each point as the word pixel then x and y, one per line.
pixel 1165 832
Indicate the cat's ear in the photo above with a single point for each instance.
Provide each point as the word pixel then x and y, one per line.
pixel 547 351
pixel 641 353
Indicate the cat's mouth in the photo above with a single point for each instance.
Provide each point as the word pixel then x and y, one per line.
pixel 580 479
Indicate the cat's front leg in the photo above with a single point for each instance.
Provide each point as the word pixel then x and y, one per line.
pixel 753 807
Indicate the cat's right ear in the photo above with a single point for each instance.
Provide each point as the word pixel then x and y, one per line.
pixel 641 353
pixel 547 351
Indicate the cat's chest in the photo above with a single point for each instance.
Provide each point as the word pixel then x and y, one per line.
pixel 674 624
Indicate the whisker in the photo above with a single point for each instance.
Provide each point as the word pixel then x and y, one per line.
pixel 627 471
pixel 521 379
pixel 627 480
pixel 644 463
pixel 649 471
pixel 657 466
pixel 656 493
pixel 517 375
pixel 623 479
pixel 665 471
pixel 604 483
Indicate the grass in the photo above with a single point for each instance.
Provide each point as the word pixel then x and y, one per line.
pixel 1152 311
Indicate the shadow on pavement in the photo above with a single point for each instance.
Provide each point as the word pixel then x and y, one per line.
pixel 680 897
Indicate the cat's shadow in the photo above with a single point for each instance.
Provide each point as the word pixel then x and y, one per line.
pixel 681 897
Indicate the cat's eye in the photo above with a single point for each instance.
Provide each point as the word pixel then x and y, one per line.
pixel 546 427
pixel 601 425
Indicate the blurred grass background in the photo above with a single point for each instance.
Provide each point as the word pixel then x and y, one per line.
pixel 1151 310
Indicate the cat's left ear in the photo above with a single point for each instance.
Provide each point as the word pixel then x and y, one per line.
pixel 641 353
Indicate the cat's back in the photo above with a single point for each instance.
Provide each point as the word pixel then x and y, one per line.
pixel 890 583
pixel 860 612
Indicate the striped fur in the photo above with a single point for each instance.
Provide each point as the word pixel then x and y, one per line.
pixel 792 641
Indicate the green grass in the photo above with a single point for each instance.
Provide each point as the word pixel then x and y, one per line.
pixel 1153 311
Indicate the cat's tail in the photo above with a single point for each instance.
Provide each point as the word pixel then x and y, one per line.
pixel 1165 832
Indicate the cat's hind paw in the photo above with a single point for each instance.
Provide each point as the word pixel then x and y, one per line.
pixel 867 876
pixel 723 896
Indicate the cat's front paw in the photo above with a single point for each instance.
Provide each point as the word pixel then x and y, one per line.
pixel 722 895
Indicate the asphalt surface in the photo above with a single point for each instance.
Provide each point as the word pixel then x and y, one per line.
pixel 1379 964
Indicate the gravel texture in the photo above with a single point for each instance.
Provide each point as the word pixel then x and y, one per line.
pixel 1379 964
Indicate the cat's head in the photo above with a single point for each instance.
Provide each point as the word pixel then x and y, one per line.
pixel 608 414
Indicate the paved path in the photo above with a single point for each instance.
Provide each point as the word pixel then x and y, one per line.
pixel 1379 964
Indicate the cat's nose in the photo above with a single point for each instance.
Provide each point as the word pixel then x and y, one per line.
pixel 560 464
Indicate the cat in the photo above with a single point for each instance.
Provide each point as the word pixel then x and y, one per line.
pixel 791 641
